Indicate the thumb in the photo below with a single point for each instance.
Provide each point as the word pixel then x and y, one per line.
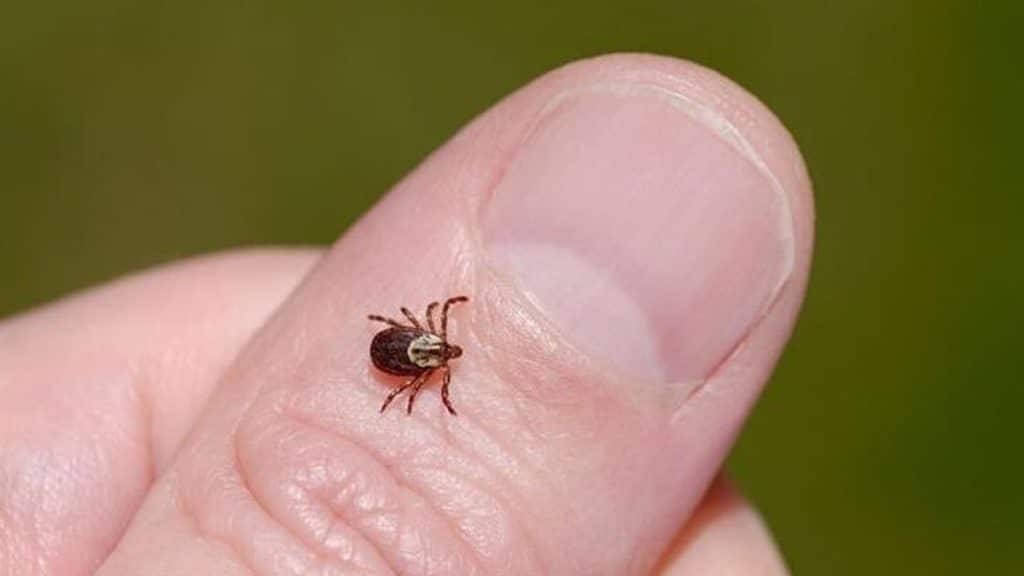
pixel 634 237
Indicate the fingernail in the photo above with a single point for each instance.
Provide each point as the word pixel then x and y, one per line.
pixel 644 228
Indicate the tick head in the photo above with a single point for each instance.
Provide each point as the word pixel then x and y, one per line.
pixel 452 351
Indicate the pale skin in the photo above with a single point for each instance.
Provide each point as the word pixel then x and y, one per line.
pixel 220 416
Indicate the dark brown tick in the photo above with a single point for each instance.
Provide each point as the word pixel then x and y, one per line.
pixel 412 350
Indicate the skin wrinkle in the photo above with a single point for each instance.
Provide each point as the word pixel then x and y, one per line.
pixel 188 512
pixel 501 496
pixel 521 524
pixel 244 473
pixel 532 472
pixel 316 548
pixel 355 534
pixel 355 540
pixel 141 433
pixel 145 429
pixel 455 534
pixel 500 499
pixel 103 460
pixel 241 472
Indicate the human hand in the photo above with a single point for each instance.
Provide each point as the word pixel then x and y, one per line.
pixel 634 234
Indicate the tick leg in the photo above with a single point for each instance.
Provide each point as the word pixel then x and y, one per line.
pixel 399 390
pixel 387 321
pixel 444 390
pixel 444 314
pixel 411 318
pixel 430 316
pixel 416 390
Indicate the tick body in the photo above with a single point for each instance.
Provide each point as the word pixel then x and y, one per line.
pixel 415 350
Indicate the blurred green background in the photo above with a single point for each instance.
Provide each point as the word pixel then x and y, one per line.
pixel 133 133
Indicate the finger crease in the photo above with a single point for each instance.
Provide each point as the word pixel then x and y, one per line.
pixel 315 546
pixel 192 517
pixel 402 484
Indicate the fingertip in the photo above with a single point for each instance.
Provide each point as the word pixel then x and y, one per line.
pixel 725 536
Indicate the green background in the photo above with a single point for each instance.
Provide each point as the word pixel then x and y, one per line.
pixel 138 132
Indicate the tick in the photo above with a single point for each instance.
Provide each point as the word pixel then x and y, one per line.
pixel 412 350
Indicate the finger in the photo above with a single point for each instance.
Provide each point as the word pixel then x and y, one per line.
pixel 634 235
pixel 97 390
pixel 725 536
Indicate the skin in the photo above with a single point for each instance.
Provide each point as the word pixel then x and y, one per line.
pixel 220 415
